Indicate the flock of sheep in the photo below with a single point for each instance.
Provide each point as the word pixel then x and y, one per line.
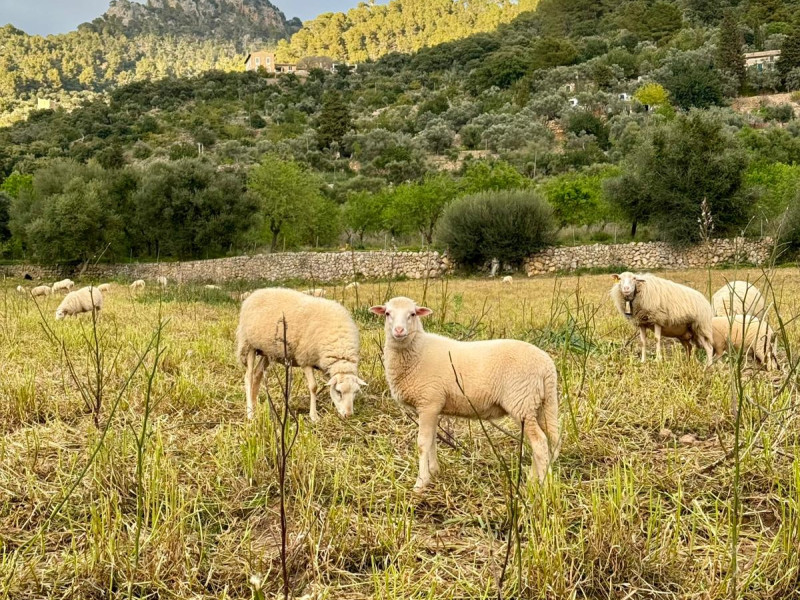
pixel 438 376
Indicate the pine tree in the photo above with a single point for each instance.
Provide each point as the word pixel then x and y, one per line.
pixel 334 119
pixel 729 50
pixel 790 53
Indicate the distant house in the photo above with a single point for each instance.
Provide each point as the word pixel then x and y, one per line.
pixel 624 97
pixel 573 102
pixel 266 60
pixel 764 59
pixel 45 104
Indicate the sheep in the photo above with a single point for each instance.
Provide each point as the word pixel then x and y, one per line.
pixel 738 298
pixel 320 334
pixel 316 293
pixel 350 286
pixel 104 288
pixel 487 379
pixel 744 331
pixel 86 299
pixel 668 308
pixel 212 287
pixel 239 296
pixel 139 284
pixel 41 290
pixel 20 289
pixel 65 285
pixel 508 279
pixel 162 281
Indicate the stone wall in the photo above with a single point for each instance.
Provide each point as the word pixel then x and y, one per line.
pixel 641 256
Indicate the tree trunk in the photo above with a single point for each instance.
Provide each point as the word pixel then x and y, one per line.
pixel 633 228
pixel 274 245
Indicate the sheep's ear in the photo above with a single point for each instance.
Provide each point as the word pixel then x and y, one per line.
pixel 615 277
pixel 330 382
pixel 423 311
pixel 638 280
pixel 361 382
pixel 378 310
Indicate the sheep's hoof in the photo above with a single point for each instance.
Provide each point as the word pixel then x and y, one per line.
pixel 313 417
pixel 419 486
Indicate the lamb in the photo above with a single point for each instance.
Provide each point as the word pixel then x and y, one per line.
pixel 738 298
pixel 139 284
pixel 86 299
pixel 749 333
pixel 316 293
pixel 41 290
pixel 65 285
pixel 668 308
pixel 104 288
pixel 487 379
pixel 508 279
pixel 162 281
pixel 20 289
pixel 320 334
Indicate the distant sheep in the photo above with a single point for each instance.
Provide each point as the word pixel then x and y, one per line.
pixel 317 293
pixel 86 299
pixel 746 333
pixel 240 296
pixel 497 378
pixel 212 287
pixel 104 288
pixel 665 307
pixel 508 279
pixel 162 281
pixel 20 289
pixel 65 285
pixel 738 298
pixel 320 334
pixel 41 290
pixel 351 286
pixel 137 285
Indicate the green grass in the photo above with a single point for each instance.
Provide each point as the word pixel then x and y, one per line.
pixel 628 513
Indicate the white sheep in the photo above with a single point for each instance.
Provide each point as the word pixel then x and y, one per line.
pixel 351 286
pixel 508 279
pixel 86 299
pixel 41 290
pixel 240 296
pixel 747 333
pixel 738 298
pixel 315 292
pixel 320 334
pixel 20 289
pixel 668 308
pixel 104 288
pixel 65 285
pixel 137 285
pixel 212 287
pixel 494 378
pixel 162 281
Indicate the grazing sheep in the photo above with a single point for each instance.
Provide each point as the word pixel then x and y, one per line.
pixel 508 279
pixel 162 281
pixel 41 290
pixel 495 378
pixel 317 293
pixel 20 289
pixel 104 287
pixel 240 296
pixel 139 284
pixel 668 308
pixel 352 285
pixel 738 298
pixel 320 334
pixel 65 285
pixel 212 287
pixel 749 333
pixel 86 299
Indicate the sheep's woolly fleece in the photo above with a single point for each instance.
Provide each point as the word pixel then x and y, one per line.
pixel 83 300
pixel 738 298
pixel 756 337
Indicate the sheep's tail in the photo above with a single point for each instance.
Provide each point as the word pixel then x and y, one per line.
pixel 548 414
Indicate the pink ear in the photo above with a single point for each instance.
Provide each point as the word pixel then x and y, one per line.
pixel 423 311
pixel 378 310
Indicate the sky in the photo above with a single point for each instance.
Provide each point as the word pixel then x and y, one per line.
pixel 59 16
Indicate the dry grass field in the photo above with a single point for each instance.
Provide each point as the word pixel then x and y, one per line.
pixel 127 469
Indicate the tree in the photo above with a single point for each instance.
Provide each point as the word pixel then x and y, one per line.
pixel 418 206
pixel 5 203
pixel 334 119
pixel 651 94
pixel 497 175
pixel 577 198
pixel 673 168
pixel 692 80
pixel 730 57
pixel 363 214
pixel 790 53
pixel 284 191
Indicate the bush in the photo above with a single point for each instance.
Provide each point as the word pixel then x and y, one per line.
pixel 508 225
pixel 783 113
pixel 789 232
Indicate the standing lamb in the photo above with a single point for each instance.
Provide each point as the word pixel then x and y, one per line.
pixel 738 298
pixel 65 285
pixel 41 290
pixel 86 299
pixel 508 279
pixel 320 334
pixel 746 333
pixel 162 281
pixel 486 380
pixel 668 308
pixel 137 285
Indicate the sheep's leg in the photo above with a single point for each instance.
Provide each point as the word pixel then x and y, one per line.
pixel 256 365
pixel 312 390
pixel 643 339
pixel 541 454
pixel 709 350
pixel 657 333
pixel 426 442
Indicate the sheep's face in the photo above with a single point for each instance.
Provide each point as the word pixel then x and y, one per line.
pixel 343 388
pixel 60 314
pixel 627 284
pixel 402 317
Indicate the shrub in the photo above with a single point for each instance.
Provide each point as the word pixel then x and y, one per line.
pixel 789 232
pixel 782 113
pixel 508 225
